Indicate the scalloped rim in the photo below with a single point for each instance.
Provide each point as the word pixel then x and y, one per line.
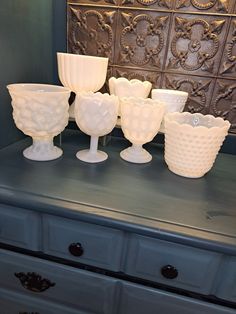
pixel 170 92
pixel 57 88
pixel 131 82
pixel 139 101
pixel 72 55
pixel 225 123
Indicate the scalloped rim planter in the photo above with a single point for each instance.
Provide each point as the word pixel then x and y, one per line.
pixel 42 148
pixel 192 142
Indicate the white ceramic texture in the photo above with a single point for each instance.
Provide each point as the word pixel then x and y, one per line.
pixel 95 115
pixel 192 142
pixel 140 122
pixel 123 87
pixel 81 73
pixel 40 111
pixel 174 100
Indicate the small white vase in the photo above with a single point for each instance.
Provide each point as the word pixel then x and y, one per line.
pixel 81 73
pixel 174 100
pixel 140 122
pixel 40 111
pixel 95 115
pixel 123 87
pixel 192 142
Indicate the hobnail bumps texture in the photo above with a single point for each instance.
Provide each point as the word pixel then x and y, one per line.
pixel 173 100
pixel 190 150
pixel 140 119
pixel 40 115
pixel 96 113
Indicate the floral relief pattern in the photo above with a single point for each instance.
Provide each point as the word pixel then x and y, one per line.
pixel 161 3
pixel 219 5
pixel 202 44
pixel 91 32
pixel 142 39
pixel 229 65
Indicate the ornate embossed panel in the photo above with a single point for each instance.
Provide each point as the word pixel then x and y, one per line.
pixel 196 44
pixel 92 31
pixel 228 66
pixel 224 101
pixel 141 39
pixel 179 44
pixel 218 6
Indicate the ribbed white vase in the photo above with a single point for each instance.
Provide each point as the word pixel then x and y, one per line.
pixel 81 73
pixel 192 142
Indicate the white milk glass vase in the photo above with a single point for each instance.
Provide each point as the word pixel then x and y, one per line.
pixel 140 122
pixel 95 115
pixel 81 73
pixel 122 87
pixel 192 142
pixel 40 111
pixel 174 100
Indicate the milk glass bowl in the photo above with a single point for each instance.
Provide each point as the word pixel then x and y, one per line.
pixel 40 111
pixel 174 100
pixel 95 115
pixel 140 121
pixel 81 73
pixel 192 142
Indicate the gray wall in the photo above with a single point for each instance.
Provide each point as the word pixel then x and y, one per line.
pixel 27 50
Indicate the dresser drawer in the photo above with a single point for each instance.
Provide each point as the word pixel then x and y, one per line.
pixel 172 264
pixel 227 280
pixel 49 282
pixel 136 299
pixel 83 242
pixel 19 227
pixel 14 303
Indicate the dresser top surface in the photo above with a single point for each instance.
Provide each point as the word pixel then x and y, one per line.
pixel 148 195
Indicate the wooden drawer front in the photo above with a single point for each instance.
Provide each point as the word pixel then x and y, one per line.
pixel 172 264
pixel 70 287
pixel 227 281
pixel 102 247
pixel 19 227
pixel 142 300
pixel 14 303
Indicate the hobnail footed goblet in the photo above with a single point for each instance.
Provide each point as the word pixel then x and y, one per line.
pixel 174 100
pixel 81 73
pixel 192 142
pixel 95 115
pixel 40 111
pixel 140 121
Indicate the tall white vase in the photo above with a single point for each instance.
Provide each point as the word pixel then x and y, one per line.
pixel 81 73
pixel 40 111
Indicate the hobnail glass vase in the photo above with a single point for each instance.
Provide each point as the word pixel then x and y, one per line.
pixel 40 111
pixel 192 142
pixel 140 121
pixel 81 73
pixel 95 115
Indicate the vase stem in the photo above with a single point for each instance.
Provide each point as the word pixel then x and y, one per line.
pixel 93 144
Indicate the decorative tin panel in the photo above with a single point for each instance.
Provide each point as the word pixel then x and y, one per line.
pixel 216 6
pixel 181 44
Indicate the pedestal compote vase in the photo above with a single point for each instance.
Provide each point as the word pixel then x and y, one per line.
pixel 40 111
pixel 95 115
pixel 140 122
pixel 81 73
pixel 192 142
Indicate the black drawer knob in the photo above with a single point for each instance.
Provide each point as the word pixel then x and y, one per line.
pixel 169 272
pixel 76 249
pixel 34 282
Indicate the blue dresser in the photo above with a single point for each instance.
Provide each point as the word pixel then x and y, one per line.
pixel 115 238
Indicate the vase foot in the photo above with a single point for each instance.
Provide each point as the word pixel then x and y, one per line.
pixel 87 156
pixel 131 155
pixel 33 153
pixel 186 173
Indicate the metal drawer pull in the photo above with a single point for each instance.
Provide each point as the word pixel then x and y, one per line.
pixel 169 272
pixel 28 313
pixel 34 282
pixel 76 249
